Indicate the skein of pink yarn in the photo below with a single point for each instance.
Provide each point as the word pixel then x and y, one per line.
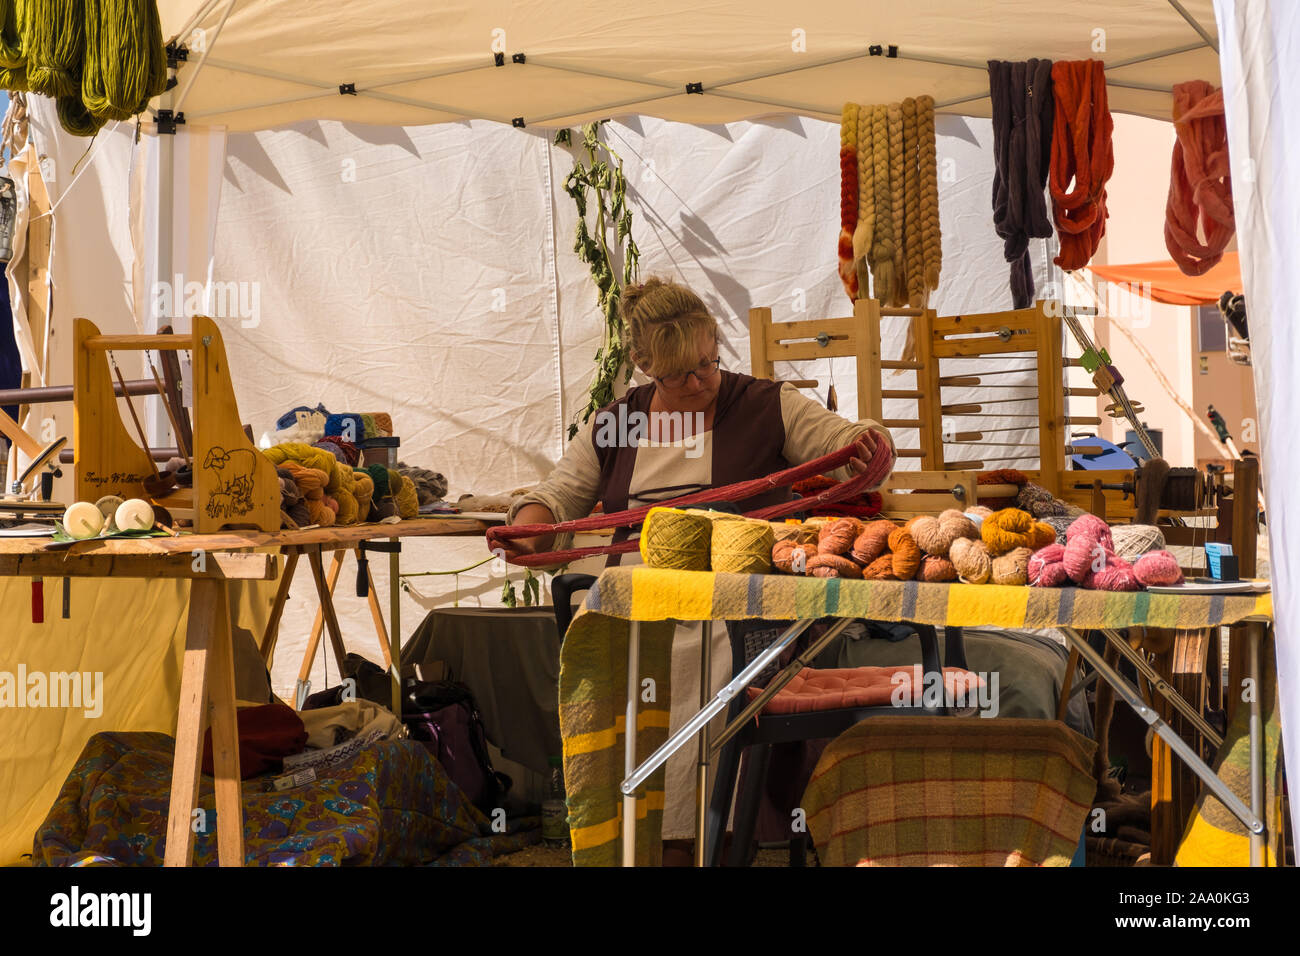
pixel 1046 568
pixel 1158 568
pixel 1082 539
pixel 1117 575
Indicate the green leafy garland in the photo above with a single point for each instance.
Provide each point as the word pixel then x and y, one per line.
pixel 609 188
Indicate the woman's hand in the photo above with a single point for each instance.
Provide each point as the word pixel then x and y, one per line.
pixel 530 514
pixel 866 448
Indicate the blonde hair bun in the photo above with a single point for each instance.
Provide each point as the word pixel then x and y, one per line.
pixel 663 320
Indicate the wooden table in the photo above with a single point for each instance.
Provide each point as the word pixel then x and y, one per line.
pixel 208 561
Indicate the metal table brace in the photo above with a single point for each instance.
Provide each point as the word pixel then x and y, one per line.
pixel 634 776
pixel 1249 816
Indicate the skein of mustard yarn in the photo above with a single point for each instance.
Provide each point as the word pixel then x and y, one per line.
pixel 742 546
pixel 674 539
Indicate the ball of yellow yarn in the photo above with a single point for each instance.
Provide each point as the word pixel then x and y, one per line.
pixel 676 539
pixel 363 490
pixel 407 498
pixel 742 546
pixel 972 560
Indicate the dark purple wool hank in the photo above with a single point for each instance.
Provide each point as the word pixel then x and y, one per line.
pixel 1022 147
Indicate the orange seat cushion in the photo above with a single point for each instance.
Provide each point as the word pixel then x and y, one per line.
pixel 832 688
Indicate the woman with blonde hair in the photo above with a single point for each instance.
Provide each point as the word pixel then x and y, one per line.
pixel 693 426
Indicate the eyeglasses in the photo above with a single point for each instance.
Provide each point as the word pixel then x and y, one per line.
pixel 704 372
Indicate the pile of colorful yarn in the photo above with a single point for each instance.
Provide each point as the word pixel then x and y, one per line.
pixel 316 487
pixel 977 547
pixel 1097 557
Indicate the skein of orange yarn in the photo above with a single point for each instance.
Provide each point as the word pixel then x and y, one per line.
pixel 873 541
pixel 906 555
pixel 783 555
pixel 972 560
pixel 838 536
pixel 936 568
pixel 832 566
pixel 881 569
pixel 1012 528
pixel 1200 183
pixel 1082 154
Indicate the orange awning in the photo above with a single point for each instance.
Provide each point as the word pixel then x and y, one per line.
pixel 1169 285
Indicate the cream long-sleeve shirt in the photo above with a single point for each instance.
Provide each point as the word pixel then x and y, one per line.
pixel 571 489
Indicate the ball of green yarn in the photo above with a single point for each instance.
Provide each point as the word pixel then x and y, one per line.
pixel 379 475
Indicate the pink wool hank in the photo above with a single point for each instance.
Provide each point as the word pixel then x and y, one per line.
pixel 1157 568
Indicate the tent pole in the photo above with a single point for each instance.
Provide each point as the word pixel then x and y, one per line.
pixel 1182 10
pixel 208 44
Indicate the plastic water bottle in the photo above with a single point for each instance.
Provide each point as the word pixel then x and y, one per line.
pixel 555 813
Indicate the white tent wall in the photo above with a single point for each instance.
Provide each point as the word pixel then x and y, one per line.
pixel 1261 91
pixel 428 272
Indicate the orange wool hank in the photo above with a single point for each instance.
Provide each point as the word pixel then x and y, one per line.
pixel 1082 155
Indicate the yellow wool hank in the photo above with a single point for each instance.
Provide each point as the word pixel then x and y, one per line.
pixel 882 246
pixel 677 540
pixel 899 284
pixel 928 168
pixel 915 272
pixel 742 545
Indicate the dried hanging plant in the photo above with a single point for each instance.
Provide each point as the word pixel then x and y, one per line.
pixel 601 177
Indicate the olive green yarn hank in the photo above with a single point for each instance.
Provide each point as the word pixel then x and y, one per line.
pixel 125 64
pixel 53 33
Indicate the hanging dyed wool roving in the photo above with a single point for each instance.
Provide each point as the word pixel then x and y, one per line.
pixel 890 294
pixel 928 167
pixel 882 246
pixel 864 232
pixel 1200 182
pixel 848 197
pixel 913 284
pixel 1022 142
pixel 13 64
pixel 1082 154
pixel 54 43
pixel 125 63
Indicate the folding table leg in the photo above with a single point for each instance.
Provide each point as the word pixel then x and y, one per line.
pixel 225 738
pixel 703 759
pixel 1129 694
pixel 629 742
pixel 325 616
pixel 191 715
pixel 272 632
pixel 376 614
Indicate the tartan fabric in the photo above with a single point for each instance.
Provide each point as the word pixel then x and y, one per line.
pixel 593 658
pixel 943 791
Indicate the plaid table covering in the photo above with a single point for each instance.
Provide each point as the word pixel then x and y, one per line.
pixel 593 659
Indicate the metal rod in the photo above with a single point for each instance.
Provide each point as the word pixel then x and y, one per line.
pixel 1256 737
pixel 702 768
pixel 1209 40
pixel 781 679
pixel 629 744
pixel 635 775
pixel 208 43
pixel 53 394
pixel 1130 696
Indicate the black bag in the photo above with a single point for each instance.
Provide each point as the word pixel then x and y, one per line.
pixel 442 716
